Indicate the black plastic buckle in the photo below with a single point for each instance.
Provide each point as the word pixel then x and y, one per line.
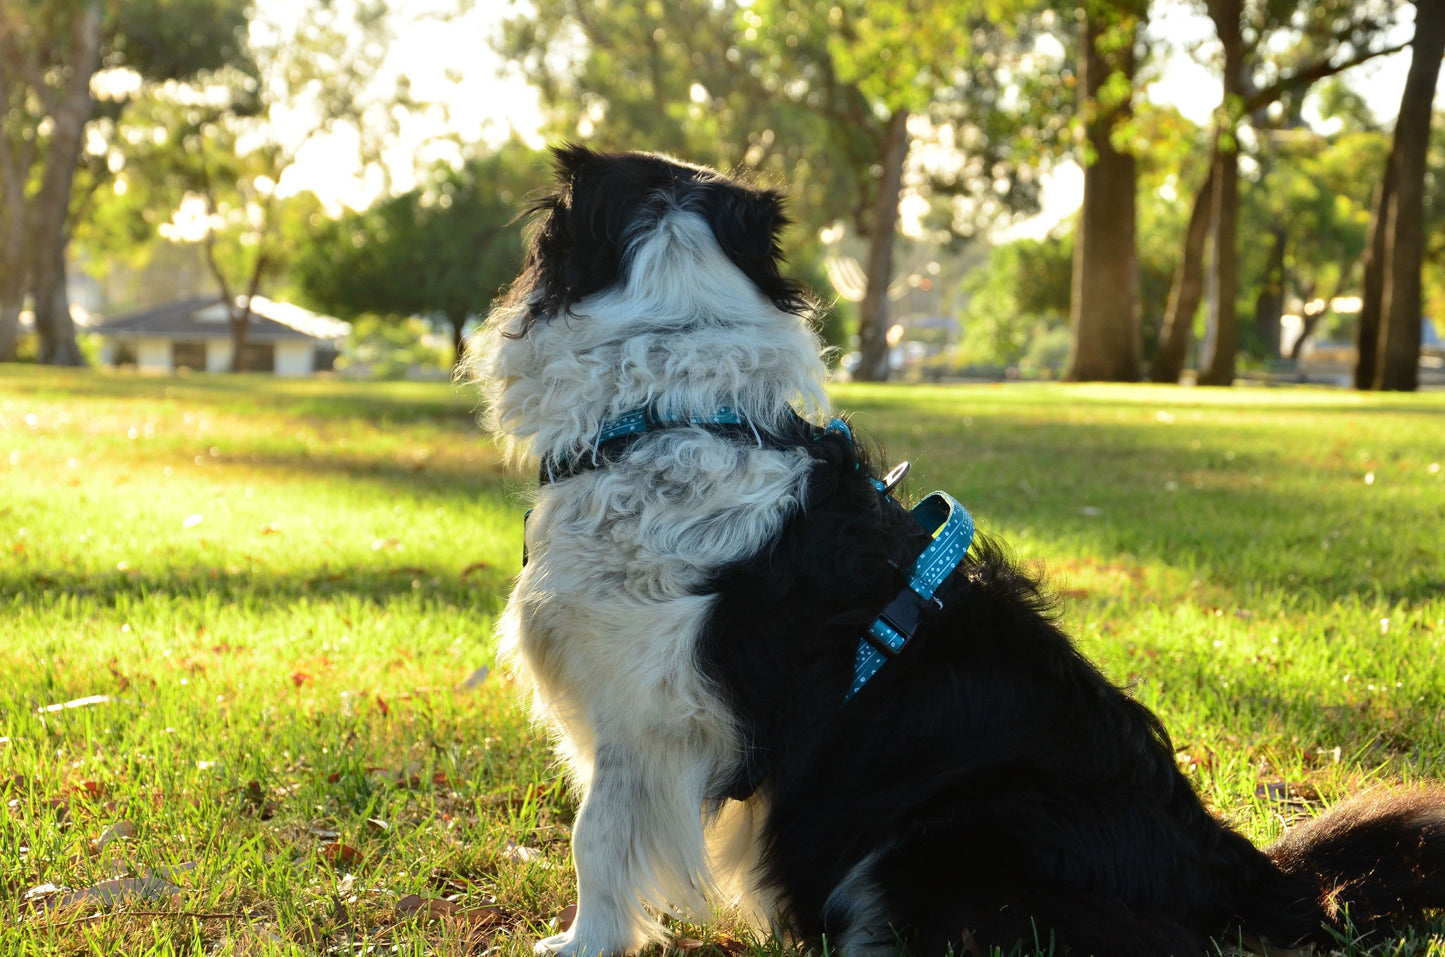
pixel 904 614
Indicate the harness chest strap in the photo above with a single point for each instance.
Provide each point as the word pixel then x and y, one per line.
pixel 952 529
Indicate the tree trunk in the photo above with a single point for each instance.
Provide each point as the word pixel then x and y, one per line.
pixel 1104 300
pixel 1400 314
pixel 12 272
pixel 53 322
pixel 9 329
pixel 1269 304
pixel 1368 335
pixel 1187 289
pixel 12 243
pixel 882 232
pixel 240 326
pixel 1216 362
pixel 51 210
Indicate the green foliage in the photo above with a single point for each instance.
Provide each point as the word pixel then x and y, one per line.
pixel 1018 295
pixel 442 250
pixel 176 39
pixel 204 162
pixel 381 349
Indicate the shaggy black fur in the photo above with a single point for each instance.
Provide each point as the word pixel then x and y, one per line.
pixel 1012 792
pixel 603 201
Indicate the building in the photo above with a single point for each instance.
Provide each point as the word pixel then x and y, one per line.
pixel 195 334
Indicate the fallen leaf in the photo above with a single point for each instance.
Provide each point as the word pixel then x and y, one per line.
pixel 414 905
pixel 563 921
pixel 377 824
pixel 39 891
pixel 299 678
pixel 340 854
pixel 118 891
pixel 475 678
pixel 482 916
pixel 385 544
pixel 118 831
pixel 518 854
pixel 473 568
pixel 192 521
pixel 166 873
pixel 94 789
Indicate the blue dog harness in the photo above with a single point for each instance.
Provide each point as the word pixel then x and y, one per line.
pixel 947 522
pixel 951 529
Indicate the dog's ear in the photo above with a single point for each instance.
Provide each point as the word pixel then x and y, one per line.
pixel 747 224
pixel 570 159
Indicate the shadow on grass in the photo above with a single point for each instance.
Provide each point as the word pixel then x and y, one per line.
pixel 1237 511
pixel 372 402
pixel 478 588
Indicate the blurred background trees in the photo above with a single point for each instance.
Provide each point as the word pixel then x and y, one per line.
pixel 1008 187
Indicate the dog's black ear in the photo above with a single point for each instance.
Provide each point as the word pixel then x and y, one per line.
pixel 747 224
pixel 570 159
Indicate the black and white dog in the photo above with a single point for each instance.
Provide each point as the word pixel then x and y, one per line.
pixel 711 614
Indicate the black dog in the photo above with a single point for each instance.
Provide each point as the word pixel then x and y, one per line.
pixel 758 663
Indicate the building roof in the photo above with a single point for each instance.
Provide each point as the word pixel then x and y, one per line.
pixel 206 318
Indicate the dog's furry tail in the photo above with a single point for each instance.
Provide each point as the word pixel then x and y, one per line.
pixel 1365 864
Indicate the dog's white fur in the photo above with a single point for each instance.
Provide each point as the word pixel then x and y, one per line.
pixel 604 619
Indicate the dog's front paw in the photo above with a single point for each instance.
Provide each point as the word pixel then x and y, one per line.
pixel 568 945
pixel 559 945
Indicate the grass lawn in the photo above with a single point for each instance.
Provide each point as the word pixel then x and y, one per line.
pixel 241 710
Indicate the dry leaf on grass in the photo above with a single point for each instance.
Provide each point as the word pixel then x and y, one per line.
pixel 118 831
pixel 111 893
pixel 563 921
pixel 414 905
pixel 340 855
pixel 519 854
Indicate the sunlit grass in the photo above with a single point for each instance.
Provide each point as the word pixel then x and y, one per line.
pixel 281 589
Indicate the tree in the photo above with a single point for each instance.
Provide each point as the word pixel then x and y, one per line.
pixel 1187 289
pixel 1318 40
pixel 50 53
pixel 829 95
pixel 1402 209
pixel 1018 295
pixel 1104 307
pixel 216 155
pixel 443 250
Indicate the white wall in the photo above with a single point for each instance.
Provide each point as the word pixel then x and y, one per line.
pixel 153 355
pixel 218 355
pixel 294 359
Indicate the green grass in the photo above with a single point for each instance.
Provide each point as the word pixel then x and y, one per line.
pixel 281 587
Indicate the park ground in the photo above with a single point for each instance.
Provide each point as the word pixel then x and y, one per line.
pixel 247 703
